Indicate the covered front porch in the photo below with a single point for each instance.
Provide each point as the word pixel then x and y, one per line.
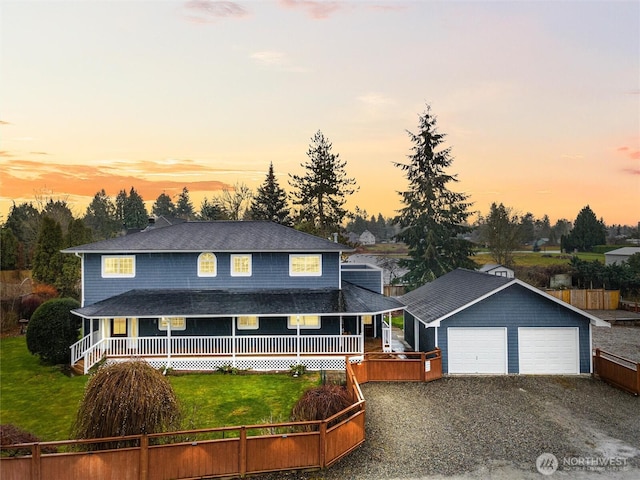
pixel 172 330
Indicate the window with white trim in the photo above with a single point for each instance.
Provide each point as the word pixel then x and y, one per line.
pixel 207 265
pixel 248 322
pixel 304 321
pixel 177 323
pixel 118 266
pixel 241 265
pixel 305 265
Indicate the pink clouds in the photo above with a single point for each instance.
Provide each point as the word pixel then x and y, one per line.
pixel 208 11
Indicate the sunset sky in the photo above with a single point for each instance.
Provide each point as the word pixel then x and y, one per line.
pixel 540 100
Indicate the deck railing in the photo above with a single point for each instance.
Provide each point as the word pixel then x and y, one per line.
pixel 618 371
pixel 228 346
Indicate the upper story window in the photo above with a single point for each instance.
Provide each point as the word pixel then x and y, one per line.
pixel 207 265
pixel 121 266
pixel 304 321
pixel 241 265
pixel 248 322
pixel 305 265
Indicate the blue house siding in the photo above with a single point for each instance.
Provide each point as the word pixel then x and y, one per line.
pixel 366 278
pixel 180 271
pixel 409 332
pixel 513 307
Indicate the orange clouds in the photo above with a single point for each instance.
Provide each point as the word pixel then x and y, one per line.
pixel 21 178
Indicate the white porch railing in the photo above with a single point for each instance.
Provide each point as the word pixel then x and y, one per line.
pixel 229 346
pixel 386 336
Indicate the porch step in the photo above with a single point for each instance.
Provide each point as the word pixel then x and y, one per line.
pixel 78 367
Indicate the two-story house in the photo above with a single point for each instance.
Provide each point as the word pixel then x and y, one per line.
pixel 201 295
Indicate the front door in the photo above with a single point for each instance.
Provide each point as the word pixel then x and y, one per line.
pixel 367 321
pixel 119 327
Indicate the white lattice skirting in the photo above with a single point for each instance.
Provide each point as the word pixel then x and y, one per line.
pixel 205 364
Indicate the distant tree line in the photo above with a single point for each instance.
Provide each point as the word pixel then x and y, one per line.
pixel 432 221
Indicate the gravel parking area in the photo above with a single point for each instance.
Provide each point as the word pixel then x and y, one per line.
pixel 491 427
pixel 619 339
pixel 496 427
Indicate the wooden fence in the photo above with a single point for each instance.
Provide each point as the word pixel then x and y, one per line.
pixel 618 371
pixel 227 451
pixel 398 367
pixel 594 299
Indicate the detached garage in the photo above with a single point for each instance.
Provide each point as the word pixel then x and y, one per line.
pixel 490 325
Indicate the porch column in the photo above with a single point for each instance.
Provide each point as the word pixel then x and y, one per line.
pixel 298 338
pixel 168 344
pixel 233 342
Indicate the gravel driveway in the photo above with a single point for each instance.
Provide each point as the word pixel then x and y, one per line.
pixel 491 427
pixel 496 427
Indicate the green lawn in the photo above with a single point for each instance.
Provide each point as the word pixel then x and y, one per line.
pixel 44 401
pixel 530 259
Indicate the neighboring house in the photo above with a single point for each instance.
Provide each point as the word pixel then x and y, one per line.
pixel 367 238
pixel 620 255
pixel 201 295
pixel 498 270
pixel 486 324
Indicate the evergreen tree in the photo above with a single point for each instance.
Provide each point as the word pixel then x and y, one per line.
pixel 100 217
pixel 501 231
pixel 130 210
pixel 24 222
pixel 184 207
pixel 211 210
pixel 270 202
pixel 8 250
pixel 163 206
pixel 433 219
pixel 323 190
pixel 68 281
pixel 587 232
pixel 59 211
pixel 47 259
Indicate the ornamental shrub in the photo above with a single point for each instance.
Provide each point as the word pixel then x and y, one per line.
pixel 320 403
pixel 53 329
pixel 126 398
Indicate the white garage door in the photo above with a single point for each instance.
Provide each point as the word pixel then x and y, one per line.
pixel 549 350
pixel 477 350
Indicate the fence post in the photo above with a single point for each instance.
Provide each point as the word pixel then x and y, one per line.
pixel 144 457
pixel 35 461
pixel 638 378
pixel 243 451
pixel 323 444
pixel 423 365
pixel 596 362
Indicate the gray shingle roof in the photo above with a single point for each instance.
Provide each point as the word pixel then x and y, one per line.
pixel 189 303
pixel 450 292
pixel 223 236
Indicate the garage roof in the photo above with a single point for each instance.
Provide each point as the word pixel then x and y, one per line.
pixel 457 290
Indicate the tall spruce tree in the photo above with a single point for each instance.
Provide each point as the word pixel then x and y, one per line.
pixel 270 202
pixel 163 206
pixel 587 232
pixel 100 217
pixel 47 259
pixel 323 190
pixel 433 219
pixel 130 210
pixel 184 207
